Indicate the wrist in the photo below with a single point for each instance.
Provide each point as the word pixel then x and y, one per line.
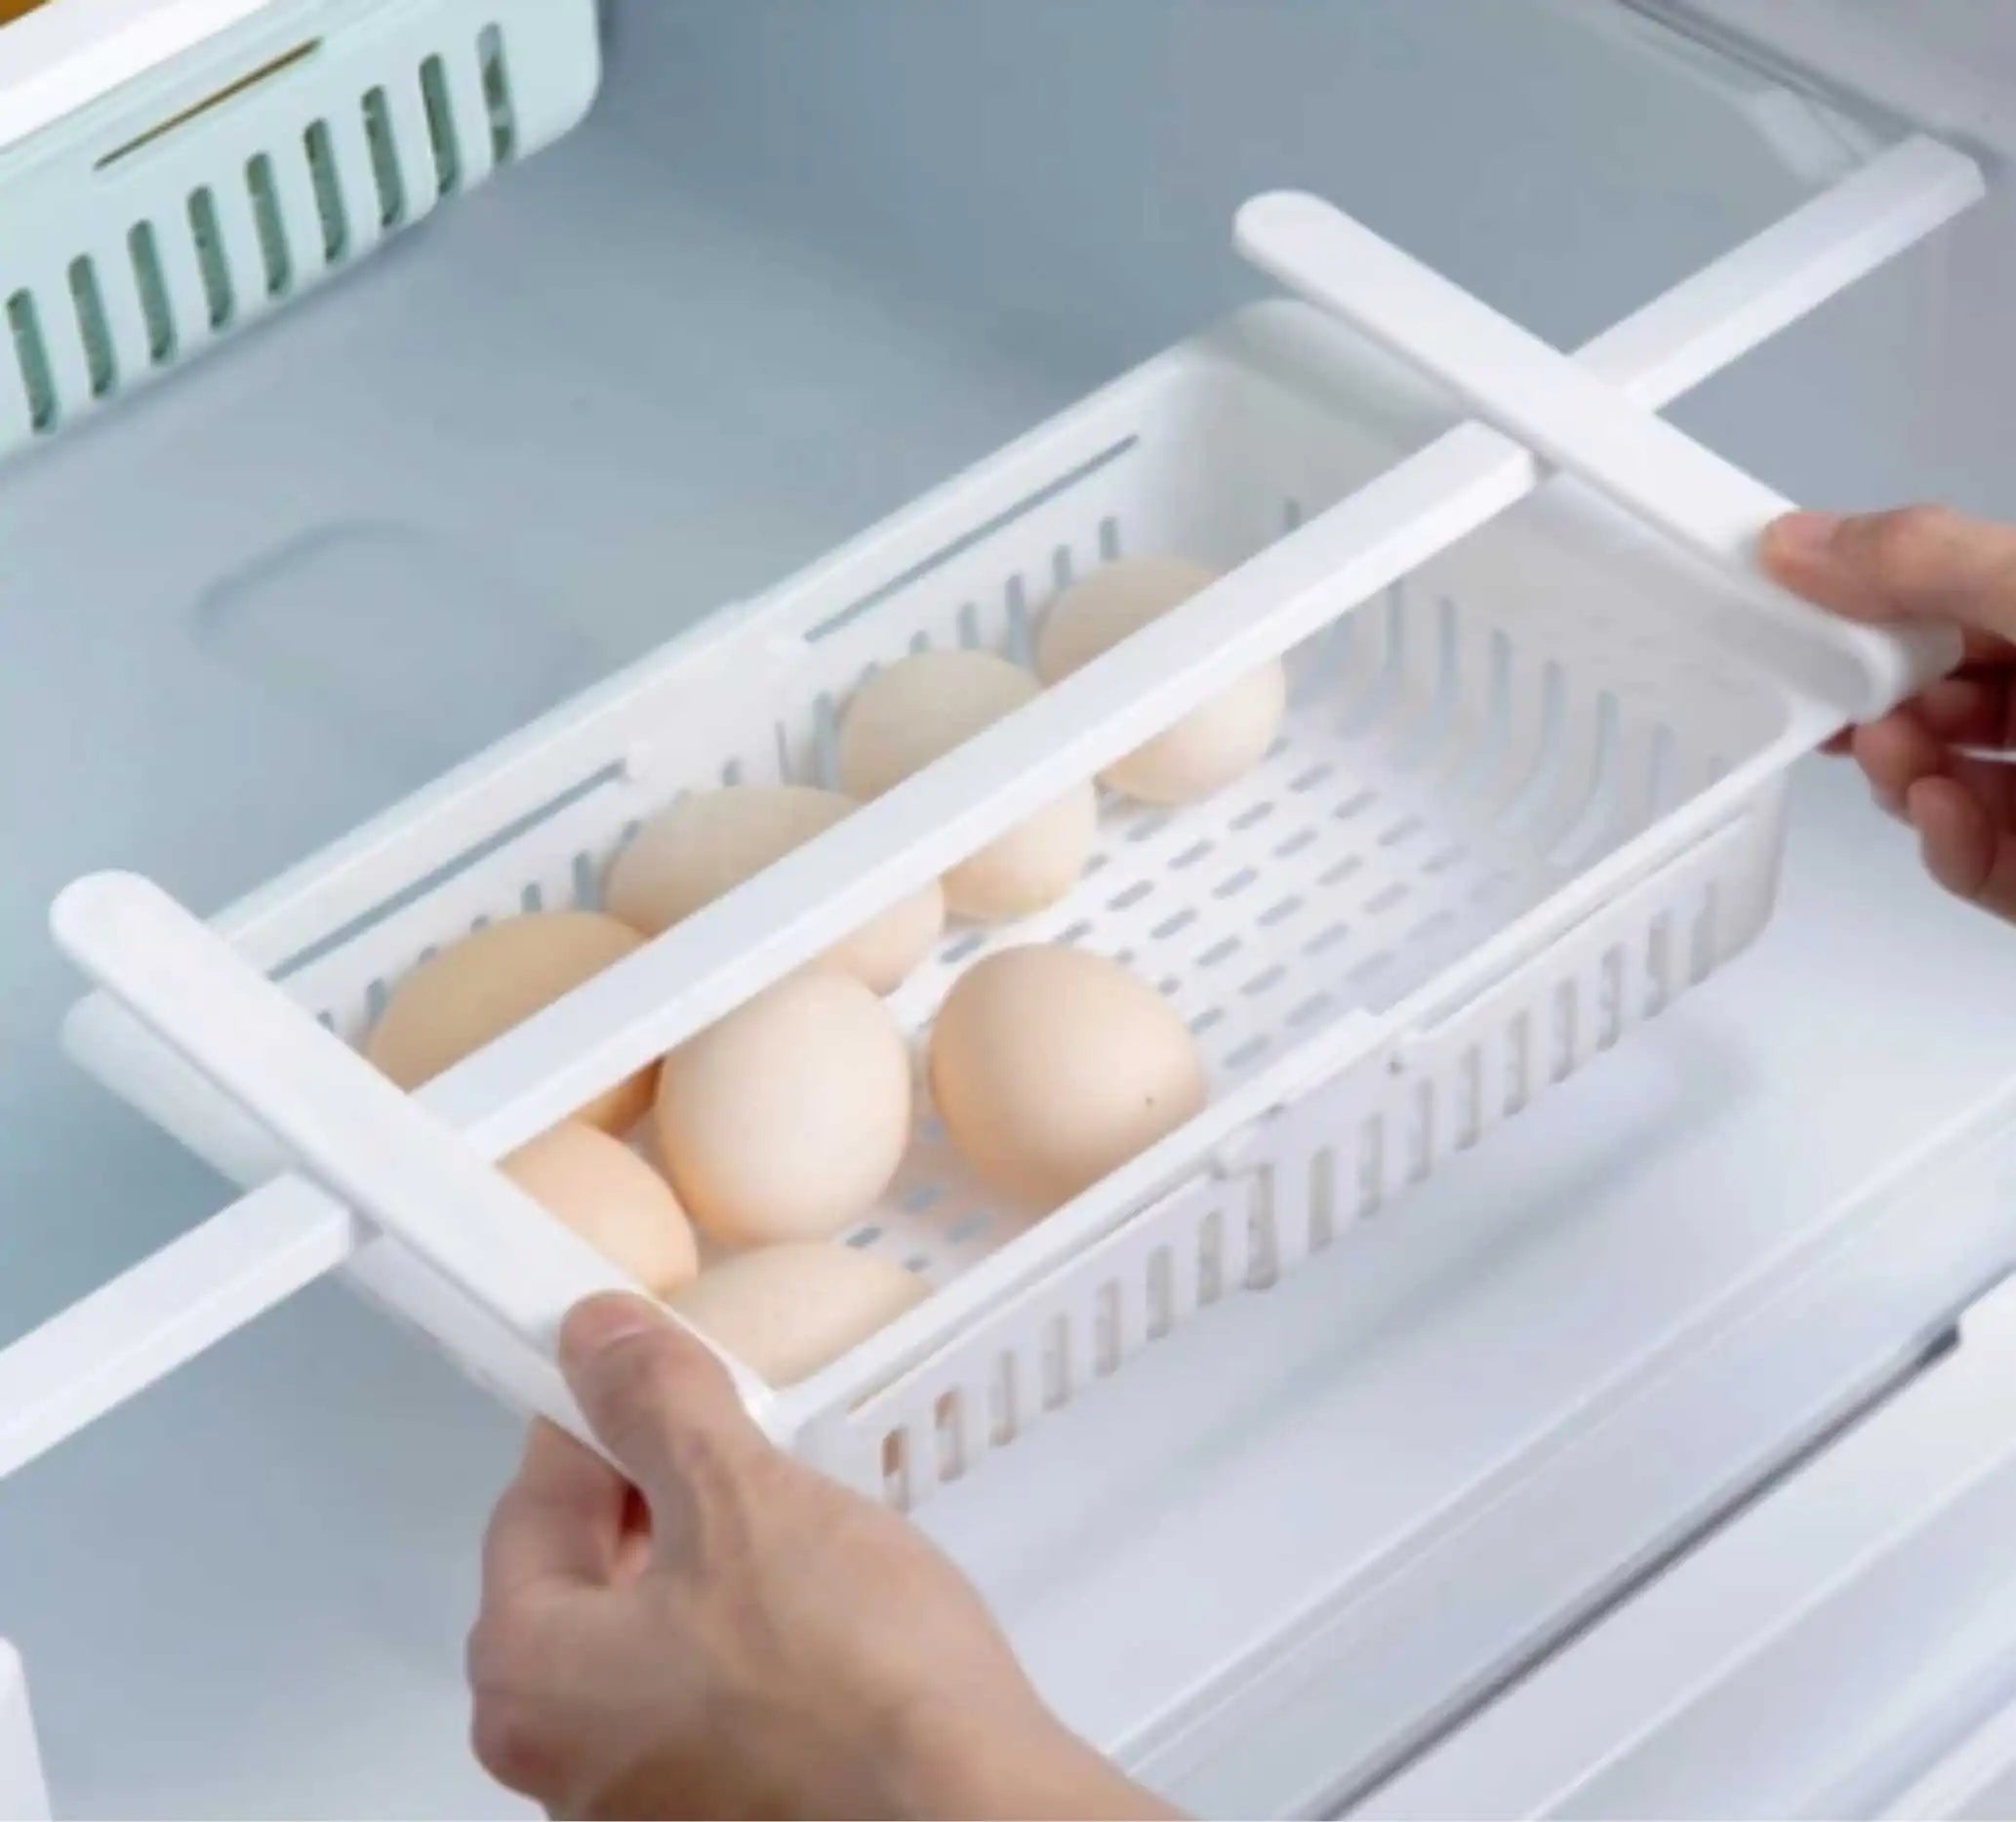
pixel 958 1760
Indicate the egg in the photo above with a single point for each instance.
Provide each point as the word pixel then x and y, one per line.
pixel 612 1198
pixel 1217 741
pixel 494 978
pixel 922 706
pixel 786 1119
pixel 788 1310
pixel 711 841
pixel 1051 1067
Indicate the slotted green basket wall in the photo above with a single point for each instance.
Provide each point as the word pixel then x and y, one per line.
pixel 148 227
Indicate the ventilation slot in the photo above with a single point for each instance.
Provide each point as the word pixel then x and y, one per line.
pixel 273 231
pixel 384 158
pixel 152 285
pixel 1322 1199
pixel 1706 939
pixel 1658 962
pixel 329 196
pixel 947 1422
pixel 31 356
pixel 99 364
pixel 210 256
pixel 433 89
pixel 1056 1364
pixel 1161 1297
pixel 1371 1164
pixel 895 1468
pixel 1007 1423
pixel 497 94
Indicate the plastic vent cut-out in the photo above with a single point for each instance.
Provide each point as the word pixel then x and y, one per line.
pixel 237 196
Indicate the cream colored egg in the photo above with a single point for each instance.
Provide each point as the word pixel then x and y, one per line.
pixel 496 977
pixel 788 1310
pixel 786 1118
pixel 1052 1067
pixel 711 841
pixel 921 708
pixel 612 1198
pixel 1219 740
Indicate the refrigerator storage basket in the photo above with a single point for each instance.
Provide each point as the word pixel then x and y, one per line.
pixel 190 200
pixel 1460 751
pixel 1528 793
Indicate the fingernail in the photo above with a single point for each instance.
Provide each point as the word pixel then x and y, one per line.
pixel 1802 533
pixel 601 1321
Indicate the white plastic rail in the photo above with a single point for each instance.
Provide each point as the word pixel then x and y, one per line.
pixel 346 1124
pixel 58 58
pixel 1559 409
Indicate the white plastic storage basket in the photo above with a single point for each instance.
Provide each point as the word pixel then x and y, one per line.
pixel 198 196
pixel 1528 793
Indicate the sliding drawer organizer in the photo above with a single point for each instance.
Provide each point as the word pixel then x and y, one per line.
pixel 1529 792
pixel 171 171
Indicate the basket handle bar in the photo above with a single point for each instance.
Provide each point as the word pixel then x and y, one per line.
pixel 347 1126
pixel 1574 419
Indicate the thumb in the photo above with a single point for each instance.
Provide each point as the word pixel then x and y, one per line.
pixel 653 1393
pixel 1914 563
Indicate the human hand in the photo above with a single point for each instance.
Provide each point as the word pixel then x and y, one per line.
pixel 1927 564
pixel 734 1635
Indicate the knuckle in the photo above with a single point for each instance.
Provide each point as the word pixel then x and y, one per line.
pixel 655 1370
pixel 702 1458
pixel 1911 546
pixel 664 1408
pixel 496 1534
pixel 663 1398
pixel 511 1647
pixel 511 1743
pixel 495 1646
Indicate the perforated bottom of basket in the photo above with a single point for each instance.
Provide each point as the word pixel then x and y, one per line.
pixel 1454 754
pixel 1391 831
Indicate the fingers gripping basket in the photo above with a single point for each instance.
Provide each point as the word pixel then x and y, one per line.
pixel 1528 793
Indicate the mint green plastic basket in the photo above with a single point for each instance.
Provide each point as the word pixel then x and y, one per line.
pixel 164 216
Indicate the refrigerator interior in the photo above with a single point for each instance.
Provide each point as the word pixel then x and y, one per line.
pixel 799 264
pixel 1845 1646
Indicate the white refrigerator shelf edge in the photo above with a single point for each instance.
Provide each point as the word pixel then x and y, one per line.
pixel 1403 1644
pixel 1843 1646
pixel 63 56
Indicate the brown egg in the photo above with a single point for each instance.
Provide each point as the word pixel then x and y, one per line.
pixel 788 1310
pixel 1052 1067
pixel 612 1198
pixel 711 841
pixel 1219 740
pixel 494 978
pixel 786 1118
pixel 920 709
